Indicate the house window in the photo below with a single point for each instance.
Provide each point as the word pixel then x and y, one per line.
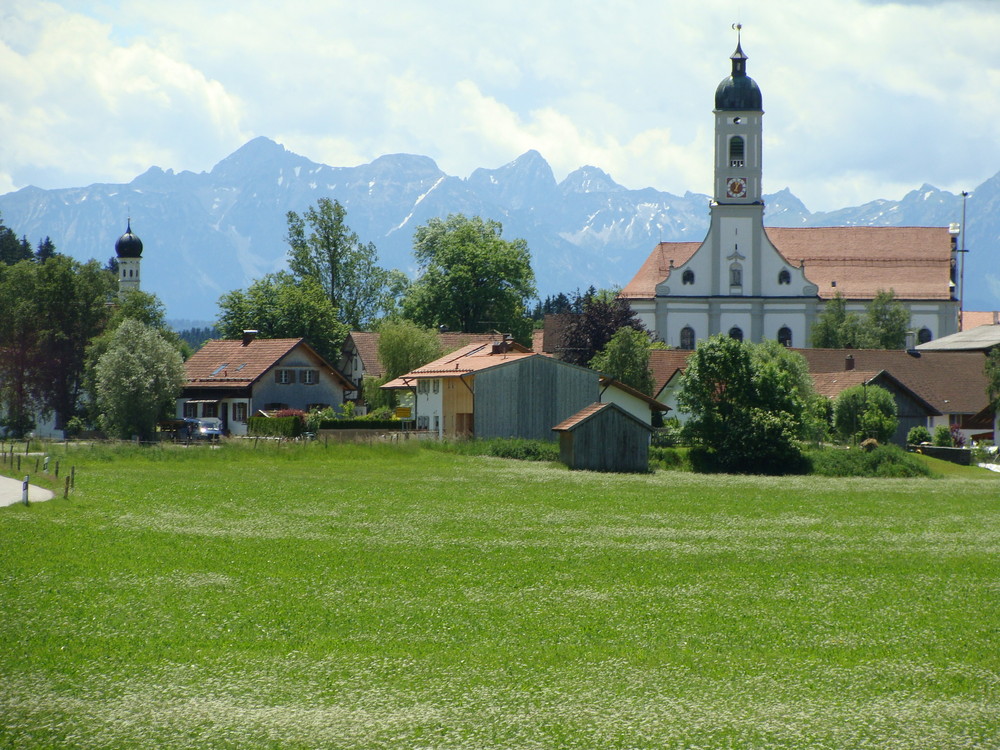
pixel 784 277
pixel 275 406
pixel 423 387
pixel 423 423
pixel 239 411
pixel 190 410
pixel 785 336
pixel 924 335
pixel 687 338
pixel 210 410
pixel 284 377
pixel 309 377
pixel 437 386
pixel 737 148
pixel 736 333
pixel 736 275
pixel 437 423
pixel 687 277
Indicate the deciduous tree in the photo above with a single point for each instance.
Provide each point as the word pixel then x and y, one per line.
pixel 138 380
pixel 626 359
pixel 471 279
pixel 865 411
pixel 883 326
pixel 602 315
pixel 346 268
pixel 279 306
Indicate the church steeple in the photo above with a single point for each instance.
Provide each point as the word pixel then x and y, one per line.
pixel 738 136
pixel 128 248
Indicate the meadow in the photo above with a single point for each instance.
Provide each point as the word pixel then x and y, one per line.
pixel 396 597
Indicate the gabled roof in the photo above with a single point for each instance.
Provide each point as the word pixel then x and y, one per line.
pixel 979 339
pixel 467 360
pixel 589 412
pixel 951 382
pixel 607 382
pixel 228 363
pixel 832 384
pixel 665 363
pixel 855 261
pixel 366 343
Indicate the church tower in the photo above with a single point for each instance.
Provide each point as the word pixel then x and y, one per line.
pixel 738 136
pixel 128 248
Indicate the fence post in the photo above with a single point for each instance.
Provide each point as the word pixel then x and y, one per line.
pixel 45 465
pixel 24 490
pixel 72 477
pixel 57 469
pixel 66 491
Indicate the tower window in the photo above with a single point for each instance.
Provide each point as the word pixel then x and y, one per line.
pixel 785 336
pixel 687 338
pixel 688 277
pixel 784 277
pixel 737 148
pixel 736 275
pixel 736 333
pixel 924 335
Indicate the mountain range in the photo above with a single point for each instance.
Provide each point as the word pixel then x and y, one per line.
pixel 207 233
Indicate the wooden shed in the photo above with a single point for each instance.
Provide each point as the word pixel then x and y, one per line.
pixel 604 437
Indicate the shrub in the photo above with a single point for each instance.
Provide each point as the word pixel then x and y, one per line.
pixel 669 458
pixel 942 436
pixel 918 435
pixel 862 412
pixel 668 435
pixel 516 448
pixel 881 461
pixel 957 436
pixel 286 427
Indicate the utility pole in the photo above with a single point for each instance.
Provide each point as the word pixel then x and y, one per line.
pixel 961 268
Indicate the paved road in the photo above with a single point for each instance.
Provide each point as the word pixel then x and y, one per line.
pixel 10 492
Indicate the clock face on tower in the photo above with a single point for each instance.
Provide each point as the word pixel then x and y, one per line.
pixel 736 187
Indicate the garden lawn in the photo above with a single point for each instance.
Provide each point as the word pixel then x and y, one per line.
pixel 376 597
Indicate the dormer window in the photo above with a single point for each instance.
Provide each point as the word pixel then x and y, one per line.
pixel 784 277
pixel 687 277
pixel 737 149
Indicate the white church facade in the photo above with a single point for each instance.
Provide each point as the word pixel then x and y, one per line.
pixel 754 283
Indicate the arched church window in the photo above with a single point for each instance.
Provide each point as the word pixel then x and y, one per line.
pixel 784 277
pixel 687 338
pixel 785 336
pixel 924 335
pixel 736 275
pixel 687 277
pixel 737 148
pixel 736 333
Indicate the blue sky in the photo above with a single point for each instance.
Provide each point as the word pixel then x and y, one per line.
pixel 863 100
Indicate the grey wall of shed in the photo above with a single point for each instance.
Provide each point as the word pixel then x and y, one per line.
pixel 909 412
pixel 528 397
pixel 608 441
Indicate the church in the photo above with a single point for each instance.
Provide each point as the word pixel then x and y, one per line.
pixel 754 283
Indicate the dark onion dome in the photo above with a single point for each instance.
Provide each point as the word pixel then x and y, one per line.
pixel 128 245
pixel 738 92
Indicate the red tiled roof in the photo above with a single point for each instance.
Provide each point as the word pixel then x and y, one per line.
pixel 830 384
pixel 366 342
pixel 657 268
pixel 227 363
pixel 976 318
pixel 664 363
pixel 469 359
pixel 913 261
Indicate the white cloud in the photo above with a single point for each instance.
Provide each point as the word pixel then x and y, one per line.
pixel 862 98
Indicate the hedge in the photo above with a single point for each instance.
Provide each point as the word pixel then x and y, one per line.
pixel 360 424
pixel 288 427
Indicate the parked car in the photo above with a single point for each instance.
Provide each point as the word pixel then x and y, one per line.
pixel 207 428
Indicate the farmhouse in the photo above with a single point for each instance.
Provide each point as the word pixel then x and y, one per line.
pixel 232 380
pixel 754 283
pixel 502 389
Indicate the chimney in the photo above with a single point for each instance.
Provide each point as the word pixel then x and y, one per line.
pixel 248 336
pixel 849 362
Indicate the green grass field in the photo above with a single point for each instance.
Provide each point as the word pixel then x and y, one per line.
pixel 377 597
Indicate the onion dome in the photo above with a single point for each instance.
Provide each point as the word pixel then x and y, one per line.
pixel 128 245
pixel 739 91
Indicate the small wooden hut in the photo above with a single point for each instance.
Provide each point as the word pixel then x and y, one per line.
pixel 604 437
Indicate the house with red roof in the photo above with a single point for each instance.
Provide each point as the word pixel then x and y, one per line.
pixel 232 380
pixel 503 389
